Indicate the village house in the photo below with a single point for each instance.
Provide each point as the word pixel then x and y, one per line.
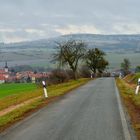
pixel 7 76
pixel 30 76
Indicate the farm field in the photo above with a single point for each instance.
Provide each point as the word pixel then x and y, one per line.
pixel 115 59
pixel 16 88
pixel 43 58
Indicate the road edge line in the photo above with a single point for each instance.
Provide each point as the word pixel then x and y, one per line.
pixel 122 115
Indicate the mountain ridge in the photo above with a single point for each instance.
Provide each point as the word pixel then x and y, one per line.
pixel 108 43
pixel 133 36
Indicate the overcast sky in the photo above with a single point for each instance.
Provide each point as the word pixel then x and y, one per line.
pixel 22 20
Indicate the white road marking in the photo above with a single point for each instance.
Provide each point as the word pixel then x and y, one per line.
pixel 122 115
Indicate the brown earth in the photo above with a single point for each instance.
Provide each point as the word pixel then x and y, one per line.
pixel 13 107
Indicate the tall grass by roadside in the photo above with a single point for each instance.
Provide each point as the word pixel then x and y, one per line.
pixel 127 91
pixel 132 78
pixel 132 103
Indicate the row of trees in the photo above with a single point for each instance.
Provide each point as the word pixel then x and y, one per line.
pixel 71 53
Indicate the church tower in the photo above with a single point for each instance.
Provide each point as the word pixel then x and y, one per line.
pixel 6 67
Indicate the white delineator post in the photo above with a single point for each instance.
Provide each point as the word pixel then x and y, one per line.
pixel 45 89
pixel 120 75
pixel 137 88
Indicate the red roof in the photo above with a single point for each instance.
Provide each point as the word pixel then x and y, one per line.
pixel 2 77
pixel 31 74
pixel 2 71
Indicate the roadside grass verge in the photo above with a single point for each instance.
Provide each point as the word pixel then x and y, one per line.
pixel 132 103
pixel 132 78
pixel 17 114
pixel 54 92
pixel 135 78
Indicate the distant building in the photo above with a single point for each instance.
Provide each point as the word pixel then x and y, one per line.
pixel 26 75
pixel 21 77
pixel 6 67
pixel 4 73
pixel 2 76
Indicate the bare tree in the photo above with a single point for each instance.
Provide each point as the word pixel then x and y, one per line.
pixel 69 53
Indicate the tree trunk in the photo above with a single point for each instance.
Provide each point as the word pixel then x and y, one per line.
pixel 94 72
pixel 75 75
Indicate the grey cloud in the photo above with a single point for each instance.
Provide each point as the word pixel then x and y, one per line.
pixel 107 16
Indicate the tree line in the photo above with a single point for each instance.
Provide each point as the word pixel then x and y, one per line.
pixel 73 52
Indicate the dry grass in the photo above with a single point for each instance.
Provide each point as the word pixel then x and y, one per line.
pixel 132 103
pixel 132 78
pixel 18 98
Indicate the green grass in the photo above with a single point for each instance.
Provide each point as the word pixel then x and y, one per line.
pixel 53 91
pixel 19 98
pixel 15 88
pixel 17 114
pixel 124 88
pixel 135 77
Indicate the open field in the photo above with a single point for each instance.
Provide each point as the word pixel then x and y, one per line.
pixel 15 88
pixel 115 59
pixel 43 58
pixel 20 113
pixel 131 101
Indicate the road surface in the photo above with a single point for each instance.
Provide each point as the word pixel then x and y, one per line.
pixel 90 112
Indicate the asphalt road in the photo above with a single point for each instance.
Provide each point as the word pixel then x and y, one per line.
pixel 90 112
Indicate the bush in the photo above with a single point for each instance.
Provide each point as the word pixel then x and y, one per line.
pixel 58 76
pixel 70 74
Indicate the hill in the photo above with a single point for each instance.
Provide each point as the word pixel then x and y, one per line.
pixel 39 52
pixel 105 42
